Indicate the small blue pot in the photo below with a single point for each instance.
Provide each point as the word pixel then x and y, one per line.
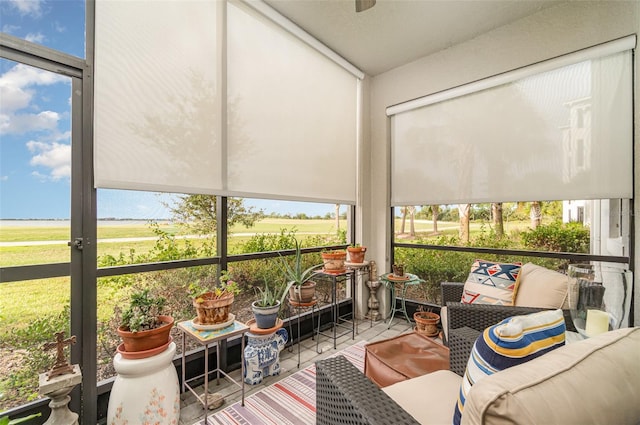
pixel 266 317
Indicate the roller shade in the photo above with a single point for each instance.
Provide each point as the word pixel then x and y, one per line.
pixel 157 101
pixel 292 115
pixel 562 133
pixel 186 104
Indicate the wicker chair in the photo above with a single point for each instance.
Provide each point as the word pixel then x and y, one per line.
pixel 344 395
pixel 481 316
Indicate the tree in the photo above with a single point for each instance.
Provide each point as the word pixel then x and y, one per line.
pixel 536 214
pixel 498 221
pixel 198 213
pixel 435 212
pixel 412 226
pixel 403 210
pixel 464 210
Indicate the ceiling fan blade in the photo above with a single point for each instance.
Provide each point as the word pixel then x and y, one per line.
pixel 362 5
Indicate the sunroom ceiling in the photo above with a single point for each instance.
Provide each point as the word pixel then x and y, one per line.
pixel 396 32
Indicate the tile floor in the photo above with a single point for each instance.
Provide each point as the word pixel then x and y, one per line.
pixel 191 410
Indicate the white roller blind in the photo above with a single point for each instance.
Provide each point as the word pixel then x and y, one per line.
pixel 291 115
pixel 156 99
pixel 560 134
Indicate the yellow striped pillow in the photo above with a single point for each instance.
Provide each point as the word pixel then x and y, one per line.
pixel 511 342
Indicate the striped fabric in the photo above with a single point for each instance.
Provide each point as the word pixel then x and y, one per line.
pixel 491 283
pixel 511 342
pixel 290 401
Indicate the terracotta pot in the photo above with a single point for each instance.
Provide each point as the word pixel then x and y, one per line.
pixel 304 293
pixel 426 322
pixel 334 261
pixel 149 339
pixel 213 310
pixel 356 254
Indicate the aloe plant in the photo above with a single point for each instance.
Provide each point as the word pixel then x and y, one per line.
pixel 295 273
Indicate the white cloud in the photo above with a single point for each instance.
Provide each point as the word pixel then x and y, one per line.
pixel 23 123
pixel 58 27
pixel 54 156
pixel 22 76
pixel 4 178
pixel 35 38
pixel 10 29
pixel 27 7
pixel 17 89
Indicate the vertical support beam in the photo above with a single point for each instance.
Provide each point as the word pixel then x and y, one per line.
pixel 84 299
pixel 222 233
pixel 392 227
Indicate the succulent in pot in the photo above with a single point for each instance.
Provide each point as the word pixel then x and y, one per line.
pixel 267 306
pixel 213 301
pixel 144 327
pixel 302 288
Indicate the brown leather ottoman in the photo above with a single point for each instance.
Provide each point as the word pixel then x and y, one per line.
pixel 402 357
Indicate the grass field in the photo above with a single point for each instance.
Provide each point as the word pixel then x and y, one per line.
pixel 17 299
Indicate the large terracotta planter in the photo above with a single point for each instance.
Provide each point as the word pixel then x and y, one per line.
pixel 334 261
pixel 304 293
pixel 426 322
pixel 148 339
pixel 356 254
pixel 211 310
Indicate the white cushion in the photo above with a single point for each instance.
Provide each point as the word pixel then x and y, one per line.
pixel 594 381
pixel 543 288
pixel 428 398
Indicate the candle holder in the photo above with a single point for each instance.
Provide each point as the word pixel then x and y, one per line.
pixel 599 298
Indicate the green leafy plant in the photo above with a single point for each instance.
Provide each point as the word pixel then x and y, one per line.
pixel 270 296
pixel 142 313
pixel 295 273
pixel 6 421
pixel 224 285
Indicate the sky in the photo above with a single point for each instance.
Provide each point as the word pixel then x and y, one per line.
pixel 35 118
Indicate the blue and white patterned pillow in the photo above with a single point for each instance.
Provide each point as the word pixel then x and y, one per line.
pixel 491 283
pixel 513 341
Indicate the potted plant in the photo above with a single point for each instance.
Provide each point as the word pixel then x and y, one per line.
pixel 302 288
pixel 426 322
pixel 266 308
pixel 334 260
pixel 356 253
pixel 213 303
pixel 144 327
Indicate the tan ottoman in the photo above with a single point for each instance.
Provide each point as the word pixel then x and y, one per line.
pixel 402 357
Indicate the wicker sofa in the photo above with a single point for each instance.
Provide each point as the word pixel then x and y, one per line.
pixel 594 381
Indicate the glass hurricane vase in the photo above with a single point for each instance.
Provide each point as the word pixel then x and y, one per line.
pixel 599 298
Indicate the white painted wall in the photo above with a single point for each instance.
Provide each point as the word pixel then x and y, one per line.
pixel 552 32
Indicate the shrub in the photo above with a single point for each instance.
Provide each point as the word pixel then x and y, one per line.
pixel 558 237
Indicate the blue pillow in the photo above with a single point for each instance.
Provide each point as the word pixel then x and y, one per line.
pixel 513 341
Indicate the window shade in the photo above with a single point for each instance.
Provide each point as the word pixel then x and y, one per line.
pixel 156 99
pixel 291 115
pixel 559 134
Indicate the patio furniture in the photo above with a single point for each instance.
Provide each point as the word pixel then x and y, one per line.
pixel 403 357
pixel 390 280
pixel 455 314
pixel 337 320
pixel 592 381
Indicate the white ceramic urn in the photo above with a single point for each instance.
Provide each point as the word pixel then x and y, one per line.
pixel 145 390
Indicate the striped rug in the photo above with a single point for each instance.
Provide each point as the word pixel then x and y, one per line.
pixel 290 401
